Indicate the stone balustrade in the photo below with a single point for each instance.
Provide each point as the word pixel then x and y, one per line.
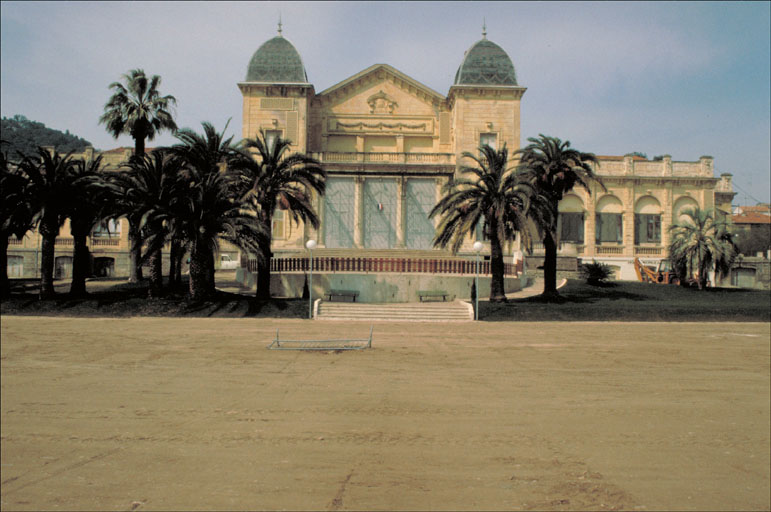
pixel 385 158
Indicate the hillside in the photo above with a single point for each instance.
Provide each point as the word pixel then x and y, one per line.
pixel 25 135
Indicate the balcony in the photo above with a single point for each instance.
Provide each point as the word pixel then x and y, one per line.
pixel 609 250
pixel 647 251
pixel 385 158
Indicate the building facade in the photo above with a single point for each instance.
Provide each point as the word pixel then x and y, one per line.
pixel 390 144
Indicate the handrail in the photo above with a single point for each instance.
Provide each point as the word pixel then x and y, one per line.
pixel 382 265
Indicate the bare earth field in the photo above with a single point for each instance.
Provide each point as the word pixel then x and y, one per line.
pixel 195 414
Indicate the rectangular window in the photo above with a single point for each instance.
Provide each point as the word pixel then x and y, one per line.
pixel 491 139
pixel 609 228
pixel 647 228
pixel 279 223
pixel 270 137
pixel 107 228
pixel 572 227
pixel 480 231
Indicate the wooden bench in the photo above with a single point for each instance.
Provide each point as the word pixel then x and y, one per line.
pixel 342 293
pixel 433 294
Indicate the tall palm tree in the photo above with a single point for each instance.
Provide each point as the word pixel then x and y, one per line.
pixel 498 196
pixel 269 177
pixel 211 209
pixel 90 200
pixel 149 184
pixel 16 213
pixel 556 168
pixel 50 179
pixel 700 240
pixel 138 109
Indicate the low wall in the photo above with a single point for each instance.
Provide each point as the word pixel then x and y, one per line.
pixel 378 287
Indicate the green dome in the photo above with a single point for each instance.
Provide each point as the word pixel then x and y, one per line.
pixel 485 63
pixel 276 61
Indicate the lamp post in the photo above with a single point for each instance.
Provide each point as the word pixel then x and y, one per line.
pixel 477 247
pixel 310 244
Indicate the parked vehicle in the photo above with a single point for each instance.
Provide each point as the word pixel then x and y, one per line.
pixel 227 263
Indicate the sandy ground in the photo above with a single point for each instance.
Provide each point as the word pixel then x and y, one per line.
pixel 159 414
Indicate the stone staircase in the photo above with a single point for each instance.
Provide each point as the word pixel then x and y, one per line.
pixel 455 311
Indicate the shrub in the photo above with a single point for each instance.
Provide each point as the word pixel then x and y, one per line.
pixel 595 273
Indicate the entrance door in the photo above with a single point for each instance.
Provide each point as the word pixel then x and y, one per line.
pixel 380 213
pixel 420 199
pixel 338 212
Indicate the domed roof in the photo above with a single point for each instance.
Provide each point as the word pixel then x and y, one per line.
pixel 485 63
pixel 276 61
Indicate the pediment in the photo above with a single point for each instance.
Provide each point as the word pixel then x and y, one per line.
pixel 381 90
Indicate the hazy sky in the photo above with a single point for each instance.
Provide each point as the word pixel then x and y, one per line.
pixel 682 78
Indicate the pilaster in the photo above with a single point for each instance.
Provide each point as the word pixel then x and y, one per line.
pixel 358 212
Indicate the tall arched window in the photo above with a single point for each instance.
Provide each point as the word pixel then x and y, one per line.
pixel 609 223
pixel 647 221
pixel 571 219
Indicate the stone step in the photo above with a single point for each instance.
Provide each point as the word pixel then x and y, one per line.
pixel 416 312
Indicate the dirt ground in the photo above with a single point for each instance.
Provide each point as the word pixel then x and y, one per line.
pixel 196 414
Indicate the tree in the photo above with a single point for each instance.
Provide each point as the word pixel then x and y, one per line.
pixel 699 241
pixel 556 168
pixel 89 201
pixel 276 178
pixel 16 213
pixel 497 196
pixel 25 136
pixel 49 179
pixel 148 185
pixel 138 109
pixel 210 207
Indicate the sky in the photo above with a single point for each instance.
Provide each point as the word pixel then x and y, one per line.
pixel 683 78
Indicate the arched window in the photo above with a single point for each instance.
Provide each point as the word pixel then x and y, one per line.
pixel 647 221
pixel 609 225
pixel 571 219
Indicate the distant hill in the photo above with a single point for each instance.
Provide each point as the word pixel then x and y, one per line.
pixel 25 136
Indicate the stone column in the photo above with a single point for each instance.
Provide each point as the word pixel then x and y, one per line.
pixel 666 219
pixel 628 220
pixel 358 212
pixel 401 192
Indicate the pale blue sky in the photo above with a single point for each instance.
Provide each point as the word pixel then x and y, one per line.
pixel 681 78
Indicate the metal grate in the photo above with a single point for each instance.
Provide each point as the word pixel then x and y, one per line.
pixel 347 344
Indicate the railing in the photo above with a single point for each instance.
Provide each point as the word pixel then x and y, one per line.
pixel 67 242
pixel 385 157
pixel 610 249
pixel 538 247
pixel 395 265
pixel 12 240
pixel 647 251
pixel 112 242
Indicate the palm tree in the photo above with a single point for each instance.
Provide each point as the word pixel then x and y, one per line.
pixel 277 178
pixel 16 213
pixel 148 185
pixel 211 208
pixel 499 196
pixel 138 109
pixel 90 199
pixel 50 180
pixel 556 168
pixel 700 240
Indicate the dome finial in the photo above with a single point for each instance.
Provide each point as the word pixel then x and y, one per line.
pixel 484 28
pixel 279 24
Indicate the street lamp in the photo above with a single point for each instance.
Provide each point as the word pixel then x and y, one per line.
pixel 478 246
pixel 310 244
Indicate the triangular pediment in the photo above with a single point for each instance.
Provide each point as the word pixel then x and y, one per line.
pixel 382 89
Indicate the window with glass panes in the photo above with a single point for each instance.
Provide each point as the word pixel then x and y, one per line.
pixel 609 228
pixel 647 228
pixel 279 222
pixel 491 139
pixel 271 136
pixel 572 227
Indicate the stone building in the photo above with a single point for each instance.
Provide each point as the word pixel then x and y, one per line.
pixel 390 143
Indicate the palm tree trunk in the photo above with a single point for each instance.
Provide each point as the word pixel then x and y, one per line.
pixel 550 266
pixel 135 252
pixel 263 264
pixel 80 264
pixel 173 264
pixel 5 283
pixel 198 272
pixel 156 273
pixel 497 291
pixel 47 261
